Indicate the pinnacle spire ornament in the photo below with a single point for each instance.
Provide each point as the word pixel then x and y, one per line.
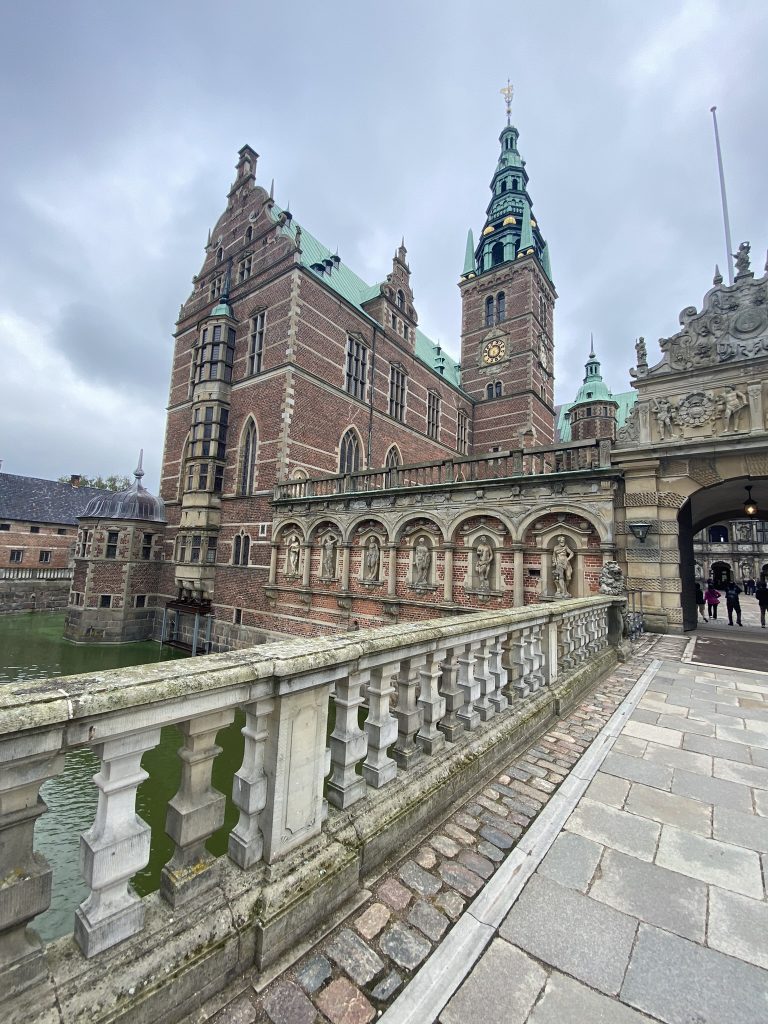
pixel 507 92
pixel 718 278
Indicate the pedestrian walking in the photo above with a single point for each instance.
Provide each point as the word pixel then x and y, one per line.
pixel 700 602
pixel 732 591
pixel 761 594
pixel 712 597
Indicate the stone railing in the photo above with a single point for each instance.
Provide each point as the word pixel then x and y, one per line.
pixel 36 574
pixel 580 455
pixel 422 712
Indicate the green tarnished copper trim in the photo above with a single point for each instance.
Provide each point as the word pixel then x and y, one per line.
pixel 469 255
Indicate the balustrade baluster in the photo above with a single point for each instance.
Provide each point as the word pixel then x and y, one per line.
pixel 348 743
pixel 536 655
pixel 409 717
pixel 497 696
pixel 195 812
pixel 470 688
pixel 451 725
pixel 485 682
pixel 115 847
pixel 249 785
pixel 517 647
pixel 25 876
pixel 380 727
pixel 432 704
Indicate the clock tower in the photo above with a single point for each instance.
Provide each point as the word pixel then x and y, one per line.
pixel 507 309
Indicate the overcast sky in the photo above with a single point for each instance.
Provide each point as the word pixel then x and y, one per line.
pixel 120 124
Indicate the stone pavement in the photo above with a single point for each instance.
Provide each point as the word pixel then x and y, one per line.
pixel 614 872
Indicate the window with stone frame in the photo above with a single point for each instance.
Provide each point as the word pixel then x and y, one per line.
pixel 45 557
pixel 433 414
pixel 244 269
pixel 34 529
pixel 195 547
pixel 256 343
pixel 216 354
pixel 5 526
pixel 105 601
pixel 181 548
pixel 397 392
pixel 140 601
pixel 248 464
pixel 210 550
pixel 357 368
pixel 462 431
pixel 349 453
pixel 400 299
pixel 111 548
pixel 146 546
pixel 16 555
pixel 214 288
pixel 501 308
pixel 241 549
pixel 489 311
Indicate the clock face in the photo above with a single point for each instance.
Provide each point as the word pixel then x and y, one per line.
pixel 494 351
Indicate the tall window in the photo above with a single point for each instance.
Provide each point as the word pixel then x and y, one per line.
pixel 433 413
pixel 497 254
pixel 248 471
pixel 397 392
pixel 393 458
pixel 111 551
pixel 400 299
pixel 542 311
pixel 357 362
pixel 244 269
pixel 196 545
pixel 256 343
pixel 210 427
pixel 16 555
pixel 146 546
pixel 489 391
pixel 497 389
pixel 241 549
pixel 349 453
pixel 489 311
pixel 501 308
pixel 216 354
pixel 462 423
pixel 214 288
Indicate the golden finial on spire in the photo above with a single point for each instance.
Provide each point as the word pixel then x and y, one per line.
pixel 506 92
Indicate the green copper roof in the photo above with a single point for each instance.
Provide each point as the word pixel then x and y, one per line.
pixel 625 401
pixel 222 309
pixel 469 255
pixel 346 283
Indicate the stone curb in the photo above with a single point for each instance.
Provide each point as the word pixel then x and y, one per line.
pixel 453 960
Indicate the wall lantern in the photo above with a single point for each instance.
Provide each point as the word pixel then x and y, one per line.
pixel 750 505
pixel 639 530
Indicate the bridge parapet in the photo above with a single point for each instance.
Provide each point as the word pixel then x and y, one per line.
pixel 422 712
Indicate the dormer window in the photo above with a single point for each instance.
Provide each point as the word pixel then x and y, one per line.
pixel 400 299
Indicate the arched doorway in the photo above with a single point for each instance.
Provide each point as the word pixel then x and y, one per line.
pixel 714 531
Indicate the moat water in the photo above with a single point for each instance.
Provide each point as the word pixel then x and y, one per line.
pixel 32 647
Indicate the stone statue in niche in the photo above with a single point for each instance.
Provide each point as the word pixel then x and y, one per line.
pixel 729 406
pixel 372 558
pixel 746 570
pixel 328 559
pixel 292 556
pixel 698 572
pixel 562 570
pixel 663 410
pixel 422 559
pixel 745 531
pixel 483 562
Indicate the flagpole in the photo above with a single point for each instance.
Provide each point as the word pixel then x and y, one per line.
pixel 728 245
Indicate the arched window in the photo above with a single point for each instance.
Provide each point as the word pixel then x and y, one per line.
pixel 236 544
pixel 501 308
pixel 245 551
pixel 241 549
pixel 497 254
pixel 489 311
pixel 497 389
pixel 503 187
pixel 489 391
pixel 249 233
pixel 349 453
pixel 514 184
pixel 393 457
pixel 400 299
pixel 718 534
pixel 219 254
pixel 248 468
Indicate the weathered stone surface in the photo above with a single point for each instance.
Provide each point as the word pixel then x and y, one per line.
pixel 637 769
pixel 285 1003
pixel 426 858
pixel 405 946
pixel 678 980
pixel 355 957
pixel 738 926
pixel 617 829
pixel 467 821
pixel 712 791
pixel 455 831
pixel 428 919
pixel 445 847
pixel 499 839
pixel 487 994
pixel 486 849
pixel 572 932
pixel 642 731
pixel 475 862
pixel 394 894
pixel 653 894
pixel 312 973
pixel 342 1003
pixel 460 878
pixel 608 789
pixel 571 861
pixel 670 809
pixel 450 902
pixel 730 867
pixel 747 774
pixel 370 923
pixel 419 880
pixel 387 987
pixel 748 830
pixel 565 1001
pixel 239 1011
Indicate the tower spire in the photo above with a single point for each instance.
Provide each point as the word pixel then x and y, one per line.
pixel 507 92
pixel 139 471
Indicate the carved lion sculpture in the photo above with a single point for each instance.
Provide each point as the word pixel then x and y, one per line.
pixel 612 580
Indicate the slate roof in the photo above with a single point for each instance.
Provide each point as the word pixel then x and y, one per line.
pixel 30 499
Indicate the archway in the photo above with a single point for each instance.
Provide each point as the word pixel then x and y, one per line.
pixel 721 550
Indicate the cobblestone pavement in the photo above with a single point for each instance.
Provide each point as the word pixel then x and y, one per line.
pixel 359 969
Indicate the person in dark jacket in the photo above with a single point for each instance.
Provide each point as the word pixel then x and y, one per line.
pixel 761 593
pixel 732 603
pixel 700 602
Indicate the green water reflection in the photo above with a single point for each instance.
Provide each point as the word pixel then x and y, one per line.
pixel 32 647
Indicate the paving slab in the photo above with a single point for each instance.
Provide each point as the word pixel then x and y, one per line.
pixel 572 932
pixel 717 748
pixel 617 829
pixel 638 769
pixel 747 774
pixel 730 867
pixel 653 894
pixel 712 791
pixel 642 731
pixel 670 809
pixel 488 994
pixel 726 732
pixel 571 861
pixel 630 745
pixel 671 757
pixel 680 982
pixel 566 1001
pixel 738 926
pixel 608 789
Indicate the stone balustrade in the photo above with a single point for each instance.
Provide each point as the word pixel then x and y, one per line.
pixel 415 706
pixel 36 574
pixel 523 462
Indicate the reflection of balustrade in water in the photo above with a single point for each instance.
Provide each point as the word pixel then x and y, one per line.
pixel 403 696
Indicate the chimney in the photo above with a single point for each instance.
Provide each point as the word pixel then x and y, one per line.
pixel 75 479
